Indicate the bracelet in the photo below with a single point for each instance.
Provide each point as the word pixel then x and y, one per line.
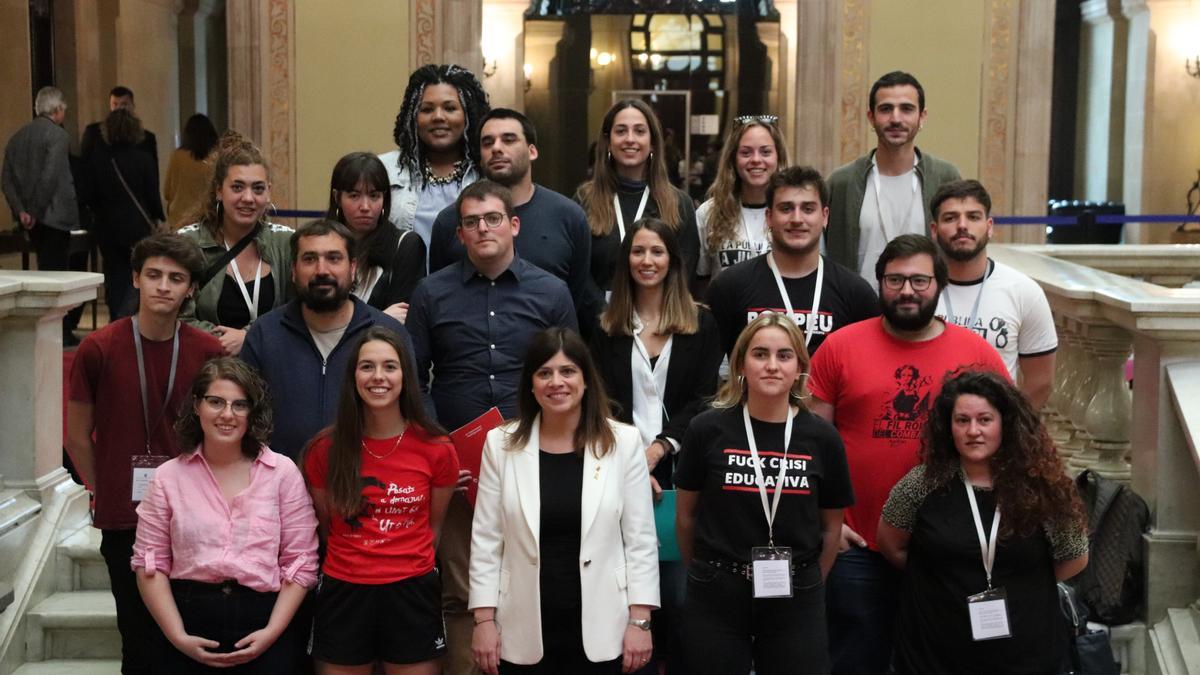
pixel 480 623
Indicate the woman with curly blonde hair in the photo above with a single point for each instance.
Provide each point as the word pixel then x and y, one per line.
pixel 984 527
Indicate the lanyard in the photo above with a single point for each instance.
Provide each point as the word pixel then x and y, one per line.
pixel 636 217
pixel 787 300
pixel 768 510
pixel 987 545
pixel 916 187
pixel 251 304
pixel 137 346
pixel 975 308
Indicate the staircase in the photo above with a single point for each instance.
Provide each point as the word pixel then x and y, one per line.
pixel 74 630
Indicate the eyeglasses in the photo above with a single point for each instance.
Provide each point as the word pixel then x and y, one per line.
pixel 493 220
pixel 763 119
pixel 216 404
pixel 895 282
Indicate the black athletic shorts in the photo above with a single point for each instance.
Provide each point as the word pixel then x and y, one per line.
pixel 357 624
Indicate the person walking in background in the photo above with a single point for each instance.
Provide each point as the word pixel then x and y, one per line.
pixel 189 172
pixel 226 544
pixel 437 145
pixel 381 478
pixel 38 186
pixel 987 465
pixel 119 98
pixel 564 487
pixel 247 257
pixel 125 201
pixel 390 261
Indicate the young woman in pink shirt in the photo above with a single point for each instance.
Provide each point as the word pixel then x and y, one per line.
pixel 226 541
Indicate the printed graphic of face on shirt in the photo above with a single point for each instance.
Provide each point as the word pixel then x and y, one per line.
pixel 903 415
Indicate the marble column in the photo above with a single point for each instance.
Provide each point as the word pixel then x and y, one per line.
pixel 1101 103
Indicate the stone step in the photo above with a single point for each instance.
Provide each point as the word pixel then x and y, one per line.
pixel 80 565
pixel 73 625
pixel 71 667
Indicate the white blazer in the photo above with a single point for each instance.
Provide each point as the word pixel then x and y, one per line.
pixel 618 550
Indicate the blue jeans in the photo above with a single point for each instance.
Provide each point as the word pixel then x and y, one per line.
pixel 861 593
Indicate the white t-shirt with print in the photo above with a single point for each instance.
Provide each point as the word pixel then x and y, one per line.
pixel 751 241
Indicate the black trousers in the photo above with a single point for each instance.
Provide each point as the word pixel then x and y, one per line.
pixel 140 635
pixel 226 612
pixel 728 630
pixel 51 247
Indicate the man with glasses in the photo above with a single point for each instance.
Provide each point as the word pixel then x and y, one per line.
pixel 471 323
pixel 129 382
pixel 886 192
pixel 875 380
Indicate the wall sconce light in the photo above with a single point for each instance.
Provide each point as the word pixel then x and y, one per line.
pixel 1193 66
pixel 528 70
pixel 604 58
pixel 489 67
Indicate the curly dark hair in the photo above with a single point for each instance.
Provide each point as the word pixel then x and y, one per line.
pixel 258 422
pixel 471 95
pixel 122 127
pixel 1030 482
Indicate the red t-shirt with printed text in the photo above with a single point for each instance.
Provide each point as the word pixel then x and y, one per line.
pixel 881 389
pixel 390 538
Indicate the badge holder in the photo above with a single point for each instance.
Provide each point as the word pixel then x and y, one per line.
pixel 772 567
pixel 144 467
pixel 989 615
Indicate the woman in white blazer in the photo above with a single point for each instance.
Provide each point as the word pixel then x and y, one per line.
pixel 564 562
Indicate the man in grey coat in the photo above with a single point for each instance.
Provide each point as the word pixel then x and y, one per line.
pixel 37 182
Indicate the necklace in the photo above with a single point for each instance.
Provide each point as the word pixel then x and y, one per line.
pixel 455 176
pixel 389 452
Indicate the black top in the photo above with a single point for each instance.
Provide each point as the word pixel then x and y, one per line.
pixel 691 380
pixel 742 292
pixel 119 222
pixel 231 306
pixel 401 255
pixel 560 480
pixel 474 332
pixel 554 236
pixel 606 248
pixel 715 461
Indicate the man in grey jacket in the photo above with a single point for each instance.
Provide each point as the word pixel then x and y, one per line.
pixel 885 193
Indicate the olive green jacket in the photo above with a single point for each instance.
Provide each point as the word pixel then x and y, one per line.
pixel 274 245
pixel 847 185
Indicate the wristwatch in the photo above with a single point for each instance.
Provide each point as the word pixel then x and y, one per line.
pixel 644 624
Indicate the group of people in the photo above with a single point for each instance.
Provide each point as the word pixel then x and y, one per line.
pixel 304 499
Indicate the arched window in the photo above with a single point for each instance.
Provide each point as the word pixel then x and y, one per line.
pixel 677 51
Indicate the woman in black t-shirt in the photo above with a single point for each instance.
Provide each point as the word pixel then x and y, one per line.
pixel 985 450
pixel 736 522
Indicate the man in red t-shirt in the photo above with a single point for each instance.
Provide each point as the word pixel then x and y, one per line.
pixel 875 380
pixel 126 391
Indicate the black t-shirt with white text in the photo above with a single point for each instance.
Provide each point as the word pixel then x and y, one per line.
pixel 742 292
pixel 715 461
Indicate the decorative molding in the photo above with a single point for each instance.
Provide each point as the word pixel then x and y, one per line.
pixel 280 128
pixel 815 54
pixel 998 101
pixel 423 25
pixel 853 57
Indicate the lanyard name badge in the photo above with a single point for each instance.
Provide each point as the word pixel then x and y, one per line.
pixel 251 303
pixel 989 609
pixel 621 223
pixel 144 464
pixel 974 308
pixel 812 321
pixel 772 565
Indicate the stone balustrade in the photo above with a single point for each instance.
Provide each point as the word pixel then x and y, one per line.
pixel 1146 436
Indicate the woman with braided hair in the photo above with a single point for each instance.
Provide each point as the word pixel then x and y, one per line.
pixel 437 141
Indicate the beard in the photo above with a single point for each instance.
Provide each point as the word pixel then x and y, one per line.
pixel 906 321
pixel 509 175
pixel 961 254
pixel 323 294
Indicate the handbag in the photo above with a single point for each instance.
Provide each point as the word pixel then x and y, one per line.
pixel 154 224
pixel 1089 651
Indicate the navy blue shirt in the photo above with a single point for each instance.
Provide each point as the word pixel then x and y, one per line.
pixel 474 332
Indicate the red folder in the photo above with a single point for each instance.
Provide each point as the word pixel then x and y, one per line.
pixel 468 443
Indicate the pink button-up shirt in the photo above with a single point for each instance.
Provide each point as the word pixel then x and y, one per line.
pixel 267 533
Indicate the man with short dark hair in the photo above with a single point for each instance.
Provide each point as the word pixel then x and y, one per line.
pixel 792 277
pixel 875 380
pixel 1005 307
pixel 886 192
pixel 471 322
pixel 39 188
pixel 554 229
pixel 119 97
pixel 129 382
pixel 302 348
